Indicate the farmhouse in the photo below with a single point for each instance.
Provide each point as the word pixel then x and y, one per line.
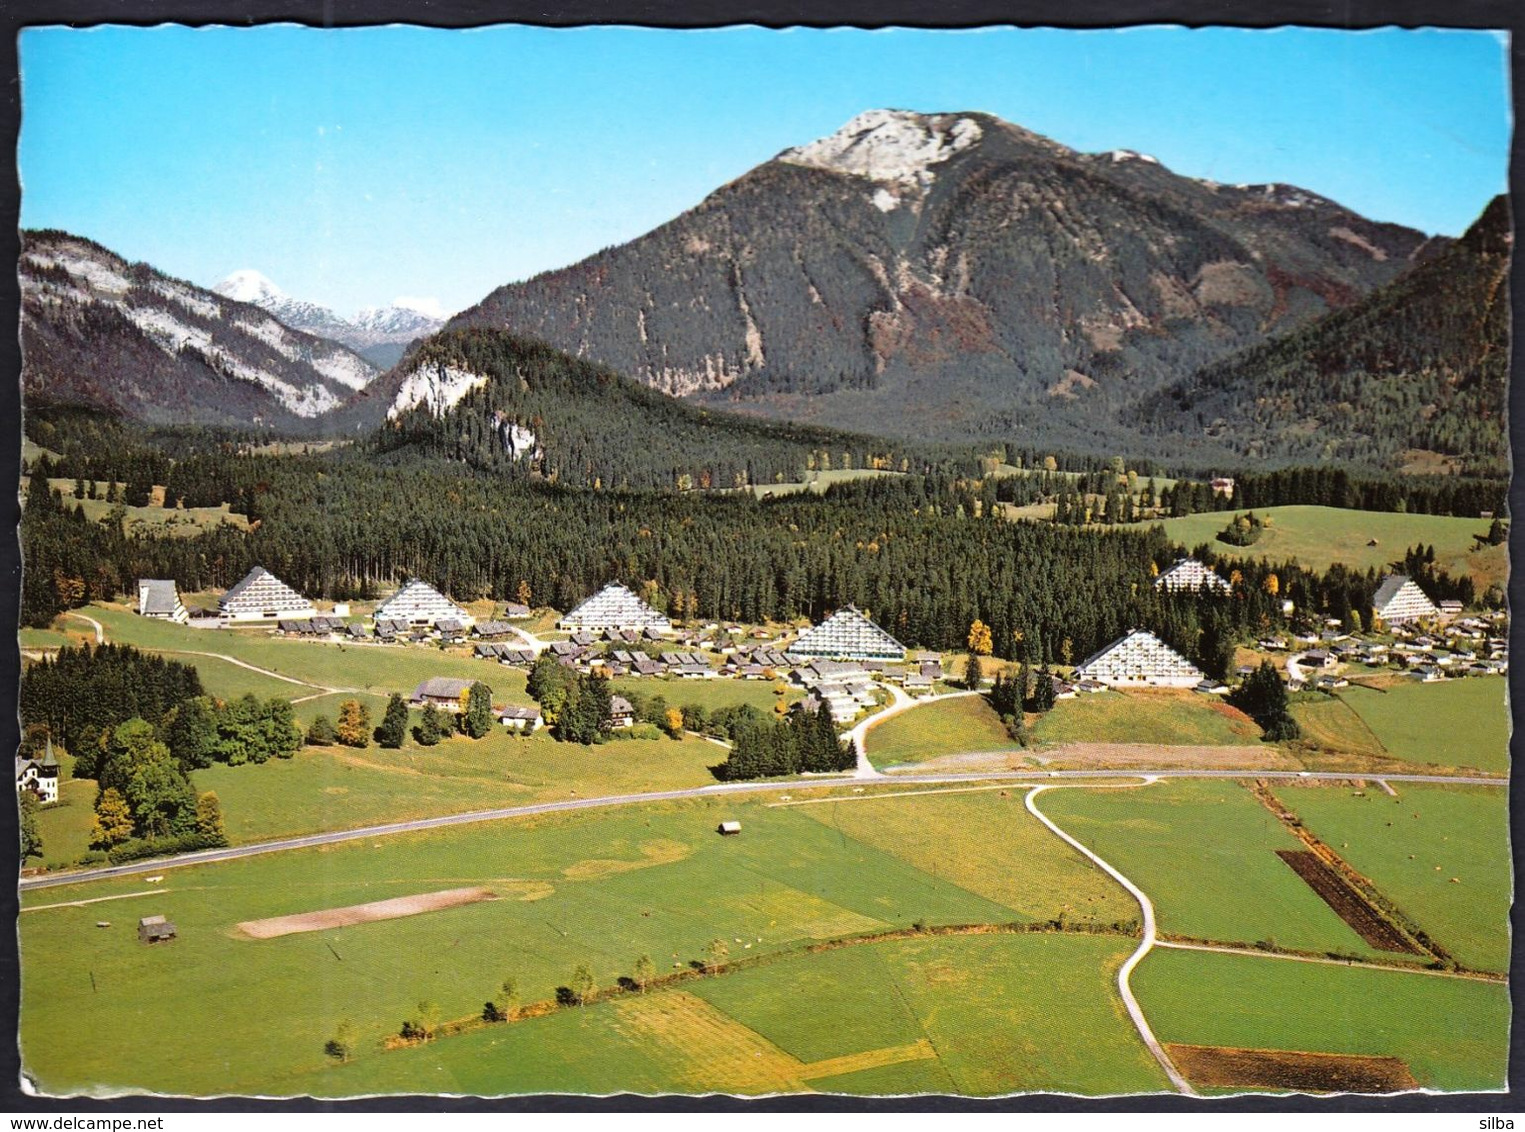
pixel 1189 575
pixel 1139 660
pixel 39 776
pixel 158 598
pixel 155 929
pixel 614 607
pixel 848 634
pixel 521 718
pixel 444 692
pixel 621 713
pixel 419 603
pixel 1398 600
pixel 261 596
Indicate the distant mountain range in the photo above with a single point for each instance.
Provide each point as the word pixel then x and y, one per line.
pixel 378 334
pixel 940 277
pixel 100 331
pixel 954 275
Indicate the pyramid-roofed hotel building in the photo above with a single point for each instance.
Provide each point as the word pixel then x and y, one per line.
pixel 419 603
pixel 261 596
pixel 1399 599
pixel 849 635
pixel 1139 660
pixel 1190 575
pixel 614 607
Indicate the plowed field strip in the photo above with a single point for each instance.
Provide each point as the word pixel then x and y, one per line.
pixel 1335 891
pixel 1229 1067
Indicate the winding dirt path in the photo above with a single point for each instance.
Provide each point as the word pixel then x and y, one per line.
pixel 100 630
pixel 1135 1011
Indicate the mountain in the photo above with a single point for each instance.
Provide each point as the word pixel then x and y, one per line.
pixel 97 330
pixel 1415 375
pixel 954 275
pixel 378 334
pixel 518 407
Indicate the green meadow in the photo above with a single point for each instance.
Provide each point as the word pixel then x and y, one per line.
pixel 1440 853
pixel 1452 1033
pixel 598 889
pixel 892 1018
pixel 1160 717
pixel 1205 852
pixel 943 727
pixel 984 841
pixel 382 669
pixel 711 694
pixel 1318 537
pixel 1456 723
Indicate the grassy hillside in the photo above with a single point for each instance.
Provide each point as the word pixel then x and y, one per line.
pixel 1318 537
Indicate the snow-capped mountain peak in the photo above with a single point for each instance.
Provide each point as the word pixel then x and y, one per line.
pixel 379 334
pixel 248 286
pixel 891 146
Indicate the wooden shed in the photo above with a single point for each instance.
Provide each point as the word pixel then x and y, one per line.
pixel 728 828
pixel 155 929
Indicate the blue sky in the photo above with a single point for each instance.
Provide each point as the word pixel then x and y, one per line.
pixel 354 166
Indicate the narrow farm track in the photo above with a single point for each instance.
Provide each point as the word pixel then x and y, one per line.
pixel 1256 953
pixel 322 688
pixel 100 630
pixel 1135 1011
pixel 716 790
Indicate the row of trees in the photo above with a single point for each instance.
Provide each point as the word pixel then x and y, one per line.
pixel 765 747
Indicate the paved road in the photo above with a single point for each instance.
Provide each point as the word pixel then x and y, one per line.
pixel 718 789
pixel 1135 1011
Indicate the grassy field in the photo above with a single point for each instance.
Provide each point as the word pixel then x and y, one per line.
pixel 1204 851
pixel 818 481
pixel 1333 725
pixel 376 668
pixel 1453 1033
pixel 341 788
pixel 745 1033
pixel 1167 718
pixel 1462 723
pixel 65 825
pixel 711 694
pixel 599 888
pixel 944 727
pixel 986 842
pixel 1318 537
pixel 154 520
pixel 1411 846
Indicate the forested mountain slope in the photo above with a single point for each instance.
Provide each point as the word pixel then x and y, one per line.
pixel 1420 367
pixel 521 408
pixel 953 275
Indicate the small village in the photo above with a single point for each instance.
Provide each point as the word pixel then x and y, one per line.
pixel 843 663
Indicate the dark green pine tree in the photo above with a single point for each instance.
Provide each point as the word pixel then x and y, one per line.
pixel 394 725
pixel 476 720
